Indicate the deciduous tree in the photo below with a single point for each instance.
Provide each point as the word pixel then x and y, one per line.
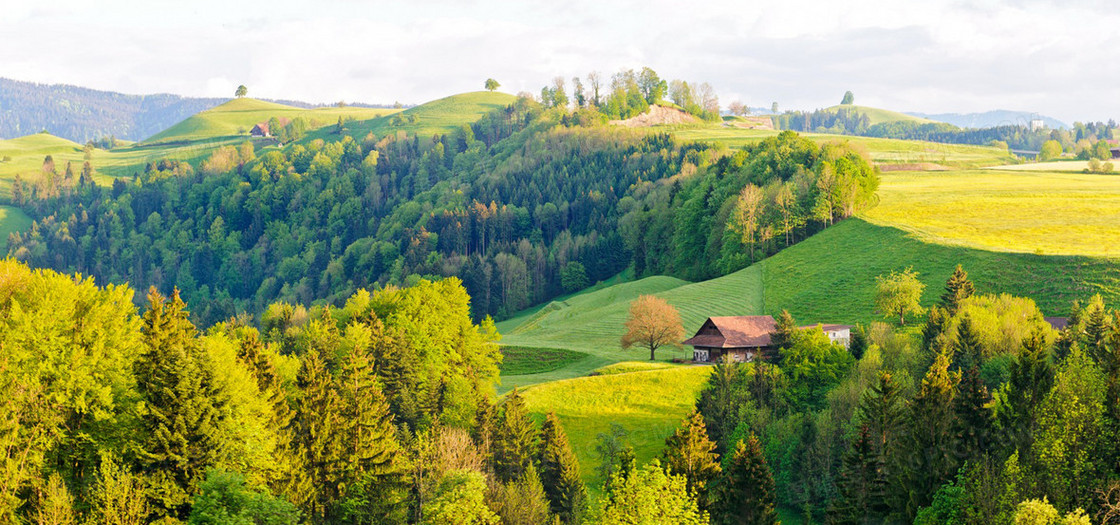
pixel 899 293
pixel 653 323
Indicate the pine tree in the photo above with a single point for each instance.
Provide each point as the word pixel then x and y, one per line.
pixel 973 421
pixel 957 289
pixel 1029 380
pixel 567 496
pixel 374 475
pixel 315 444
pixel 881 410
pixel 861 487
pixel 515 439
pixel 934 338
pixel 745 492
pixel 720 401
pixel 782 336
pixel 926 453
pixel 969 350
pixel 1098 327
pixel 689 452
pixel 184 409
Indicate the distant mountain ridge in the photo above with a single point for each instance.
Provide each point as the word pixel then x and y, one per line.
pixel 990 119
pixel 80 114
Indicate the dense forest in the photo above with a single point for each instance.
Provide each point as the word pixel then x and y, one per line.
pixel 522 206
pixel 851 121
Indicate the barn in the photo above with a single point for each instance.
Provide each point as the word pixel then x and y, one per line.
pixel 747 337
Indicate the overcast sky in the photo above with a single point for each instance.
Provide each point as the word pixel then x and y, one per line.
pixel 1047 56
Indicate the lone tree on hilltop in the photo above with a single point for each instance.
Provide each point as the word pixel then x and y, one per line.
pixel 241 91
pixel 492 84
pixel 849 98
pixel 653 323
pixel 899 293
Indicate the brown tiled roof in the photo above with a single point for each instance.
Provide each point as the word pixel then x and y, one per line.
pixel 1058 323
pixel 747 331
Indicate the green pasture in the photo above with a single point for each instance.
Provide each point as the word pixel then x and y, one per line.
pixel 648 404
pixel 436 117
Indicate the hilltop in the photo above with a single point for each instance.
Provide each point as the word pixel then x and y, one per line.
pixel 877 115
pixel 438 116
pixel 988 119
pixel 237 117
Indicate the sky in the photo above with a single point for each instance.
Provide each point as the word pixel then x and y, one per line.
pixel 936 56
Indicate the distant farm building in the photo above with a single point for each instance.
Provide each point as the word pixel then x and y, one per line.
pixel 1115 153
pixel 747 337
pixel 261 129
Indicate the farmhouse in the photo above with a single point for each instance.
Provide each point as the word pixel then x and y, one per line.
pixel 747 337
pixel 261 129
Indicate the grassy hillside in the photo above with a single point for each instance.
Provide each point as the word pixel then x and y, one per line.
pixel 878 115
pixel 907 154
pixel 648 404
pixel 438 116
pixel 829 277
pixel 1029 211
pixel 238 116
pixel 11 220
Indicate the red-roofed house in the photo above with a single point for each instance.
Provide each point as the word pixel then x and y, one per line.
pixel 747 337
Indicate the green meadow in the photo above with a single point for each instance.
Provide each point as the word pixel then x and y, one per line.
pixel 438 116
pixel 12 220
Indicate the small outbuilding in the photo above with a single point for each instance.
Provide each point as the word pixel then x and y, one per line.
pixel 747 337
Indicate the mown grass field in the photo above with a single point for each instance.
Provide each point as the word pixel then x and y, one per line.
pixel 521 360
pixel 879 115
pixel 438 116
pixel 238 116
pixel 1020 211
pixel 648 404
pixel 907 154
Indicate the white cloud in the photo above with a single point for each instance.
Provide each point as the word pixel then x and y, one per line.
pixel 1047 56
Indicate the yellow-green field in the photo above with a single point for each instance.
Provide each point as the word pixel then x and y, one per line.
pixel 648 404
pixel 1032 212
pixel 11 220
pixel 905 154
pixel 238 116
pixel 1074 166
pixel 879 115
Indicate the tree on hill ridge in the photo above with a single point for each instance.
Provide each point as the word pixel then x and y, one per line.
pixel 653 323
pixel 491 84
pixel 241 91
pixel 849 98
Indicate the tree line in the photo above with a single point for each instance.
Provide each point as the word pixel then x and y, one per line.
pixel 522 206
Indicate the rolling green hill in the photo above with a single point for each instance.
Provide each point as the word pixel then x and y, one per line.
pixel 238 116
pixel 878 116
pixel 438 116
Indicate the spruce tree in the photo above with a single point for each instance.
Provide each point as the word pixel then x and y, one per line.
pixel 1098 328
pixel 567 496
pixel 969 350
pixel 861 488
pixel 1029 380
pixel 934 338
pixel 515 439
pixel 782 336
pixel 881 410
pixel 957 289
pixel 973 421
pixel 926 454
pixel 745 492
pixel 374 473
pixel 183 414
pixel 689 452
pixel 315 440
pixel 720 401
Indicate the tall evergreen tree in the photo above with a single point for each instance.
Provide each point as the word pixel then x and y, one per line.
pixel 1098 328
pixel 567 495
pixel 957 289
pixel 973 422
pixel 881 410
pixel 745 491
pixel 515 441
pixel 689 452
pixel 720 401
pixel 782 336
pixel 934 336
pixel 926 454
pixel 969 350
pixel 861 488
pixel 1029 380
pixel 183 407
pixel 314 440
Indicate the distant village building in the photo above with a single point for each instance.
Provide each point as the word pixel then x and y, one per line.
pixel 747 337
pixel 1037 124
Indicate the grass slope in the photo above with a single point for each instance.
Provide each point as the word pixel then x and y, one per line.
pixel 1032 212
pixel 883 152
pixel 438 116
pixel 648 404
pixel 520 360
pixel 11 220
pixel 878 115
pixel 238 116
